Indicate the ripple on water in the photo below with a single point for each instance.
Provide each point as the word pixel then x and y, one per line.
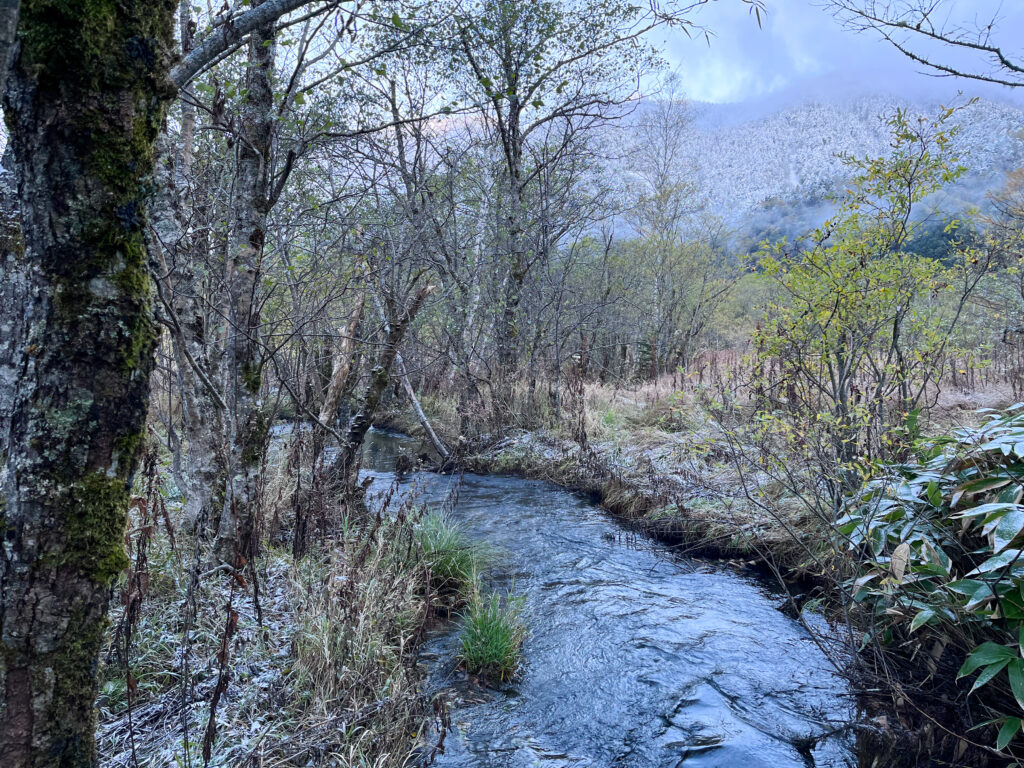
pixel 636 657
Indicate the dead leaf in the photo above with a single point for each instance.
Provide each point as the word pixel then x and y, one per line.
pixel 900 556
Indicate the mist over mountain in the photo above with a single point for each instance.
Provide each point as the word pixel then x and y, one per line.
pixel 768 167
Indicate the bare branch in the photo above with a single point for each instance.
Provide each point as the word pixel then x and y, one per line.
pixel 231 33
pixel 910 27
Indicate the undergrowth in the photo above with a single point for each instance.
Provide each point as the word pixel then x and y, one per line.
pixel 322 664
pixel 938 542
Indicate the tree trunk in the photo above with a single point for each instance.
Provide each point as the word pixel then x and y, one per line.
pixel 345 466
pixel 85 100
pixel 339 376
pixel 435 441
pixel 507 340
pixel 248 427
pixel 403 376
pixel 8 35
pixel 194 343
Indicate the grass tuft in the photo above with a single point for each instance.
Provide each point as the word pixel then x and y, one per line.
pixel 492 635
pixel 454 558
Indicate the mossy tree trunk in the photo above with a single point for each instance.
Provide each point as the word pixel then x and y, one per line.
pixel 246 238
pixel 86 95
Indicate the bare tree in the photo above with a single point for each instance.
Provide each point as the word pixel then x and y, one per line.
pixel 530 66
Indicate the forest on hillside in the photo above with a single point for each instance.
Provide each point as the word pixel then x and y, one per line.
pixel 387 383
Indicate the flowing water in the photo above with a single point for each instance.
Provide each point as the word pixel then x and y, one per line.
pixel 636 656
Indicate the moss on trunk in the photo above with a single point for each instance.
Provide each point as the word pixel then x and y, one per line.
pixel 85 101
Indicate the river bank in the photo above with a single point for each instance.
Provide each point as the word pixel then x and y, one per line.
pixel 668 467
pixel 668 485
pixel 674 485
pixel 656 490
pixel 636 655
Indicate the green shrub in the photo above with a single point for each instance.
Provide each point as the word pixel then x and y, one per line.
pixel 492 635
pixel 938 543
pixel 453 557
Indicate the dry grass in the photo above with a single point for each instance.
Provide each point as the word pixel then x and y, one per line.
pixel 613 408
pixel 659 458
pixel 322 674
pixel 359 612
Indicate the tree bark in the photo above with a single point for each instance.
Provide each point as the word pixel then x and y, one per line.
pixel 507 340
pixel 86 94
pixel 8 35
pixel 247 235
pixel 345 466
pixel 340 370
pixel 195 343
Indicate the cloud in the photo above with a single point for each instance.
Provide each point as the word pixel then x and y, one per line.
pixel 801 42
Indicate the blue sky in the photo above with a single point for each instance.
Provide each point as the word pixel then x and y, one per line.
pixel 803 47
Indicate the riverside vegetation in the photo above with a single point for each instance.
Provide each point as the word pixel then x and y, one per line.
pixel 235 241
pixel 823 454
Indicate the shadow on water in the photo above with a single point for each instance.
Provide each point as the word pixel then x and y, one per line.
pixel 636 657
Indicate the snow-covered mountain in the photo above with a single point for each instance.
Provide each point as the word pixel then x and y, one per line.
pixel 754 164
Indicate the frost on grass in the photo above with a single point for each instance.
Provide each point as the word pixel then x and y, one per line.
pixel 321 667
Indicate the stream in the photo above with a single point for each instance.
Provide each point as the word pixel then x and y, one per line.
pixel 636 656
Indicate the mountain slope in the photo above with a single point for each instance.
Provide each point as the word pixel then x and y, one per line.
pixel 754 168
